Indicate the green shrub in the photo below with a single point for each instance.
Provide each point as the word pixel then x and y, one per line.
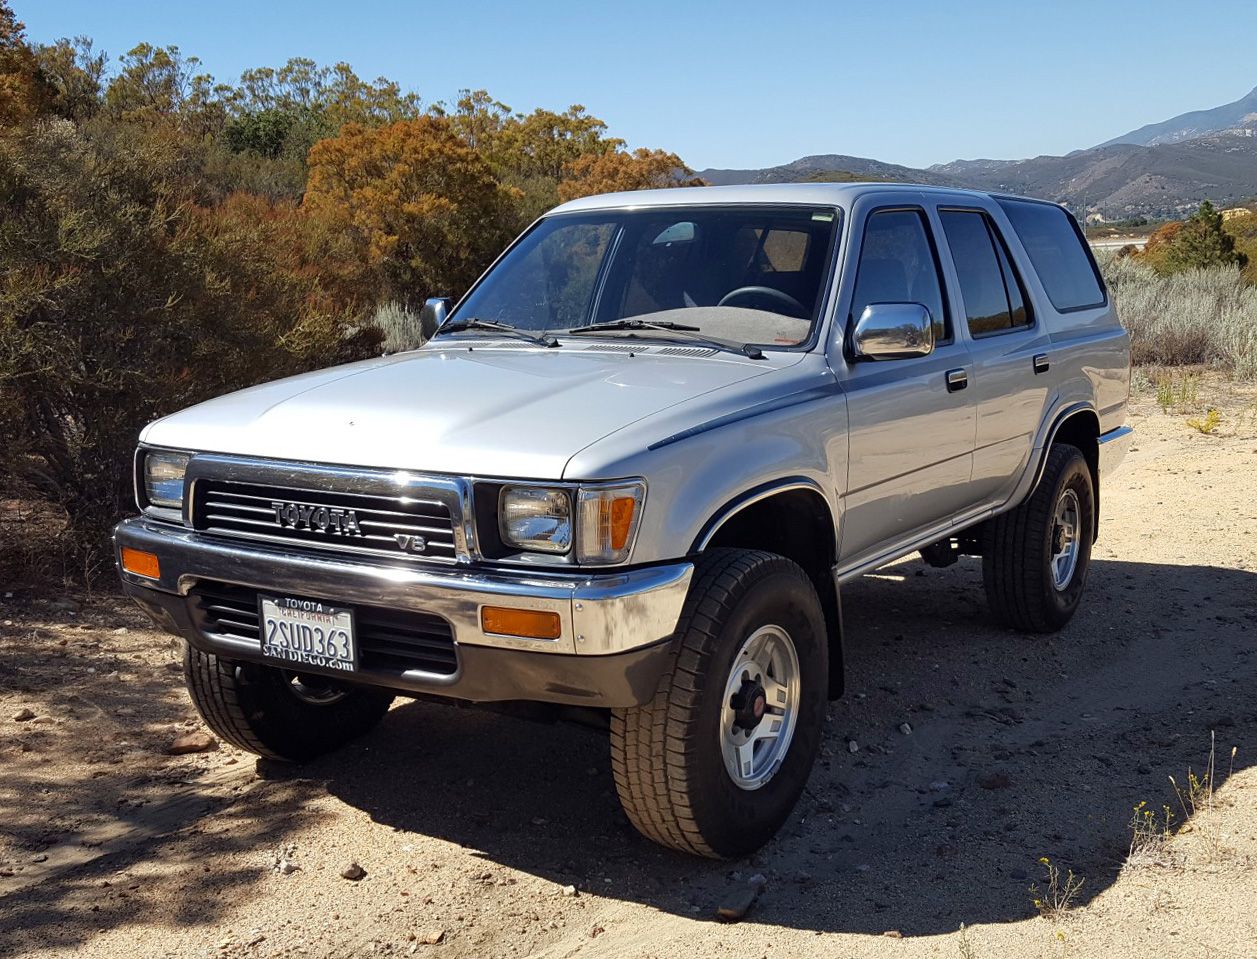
pixel 121 302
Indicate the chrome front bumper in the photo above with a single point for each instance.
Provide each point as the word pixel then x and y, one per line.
pixel 605 617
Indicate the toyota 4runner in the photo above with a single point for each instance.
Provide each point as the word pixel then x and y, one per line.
pixel 629 473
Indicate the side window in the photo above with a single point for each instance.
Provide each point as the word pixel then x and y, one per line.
pixel 1059 253
pixel 994 299
pixel 898 265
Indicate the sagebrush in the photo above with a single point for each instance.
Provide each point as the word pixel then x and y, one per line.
pixel 1196 317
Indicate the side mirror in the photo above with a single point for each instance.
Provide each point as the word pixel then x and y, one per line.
pixel 893 331
pixel 435 310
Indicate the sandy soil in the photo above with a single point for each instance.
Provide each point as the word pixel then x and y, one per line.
pixel 469 824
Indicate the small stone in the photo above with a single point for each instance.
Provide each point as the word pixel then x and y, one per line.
pixel 65 606
pixel 571 891
pixel 738 904
pixel 893 934
pixel 852 746
pixel 905 728
pixel 24 715
pixel 353 872
pixel 538 821
pixel 759 879
pixel 432 937
pixel 994 781
pixel 596 931
pixel 121 631
pixel 286 867
pixel 940 786
pixel 194 742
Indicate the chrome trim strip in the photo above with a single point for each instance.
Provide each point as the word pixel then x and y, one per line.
pixel 1113 447
pixel 610 613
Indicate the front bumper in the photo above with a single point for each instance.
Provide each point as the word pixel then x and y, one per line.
pixel 611 650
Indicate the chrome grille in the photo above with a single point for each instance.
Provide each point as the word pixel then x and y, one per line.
pixel 406 526
pixel 390 640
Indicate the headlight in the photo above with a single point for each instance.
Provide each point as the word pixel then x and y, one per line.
pixel 606 521
pixel 535 518
pixel 163 479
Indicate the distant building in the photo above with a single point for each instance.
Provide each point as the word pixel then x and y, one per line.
pixel 1233 212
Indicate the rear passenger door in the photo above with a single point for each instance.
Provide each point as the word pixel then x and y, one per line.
pixel 911 427
pixel 1007 346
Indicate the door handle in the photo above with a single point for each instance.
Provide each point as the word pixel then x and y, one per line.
pixel 956 380
pixel 1041 363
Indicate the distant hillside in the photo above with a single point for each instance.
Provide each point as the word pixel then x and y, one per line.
pixel 1120 180
pixel 1241 113
pixel 814 167
pixel 1127 180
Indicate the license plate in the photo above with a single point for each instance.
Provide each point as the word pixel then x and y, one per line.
pixel 307 632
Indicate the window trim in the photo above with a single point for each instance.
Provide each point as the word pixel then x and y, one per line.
pixel 995 236
pixel 944 298
pixel 1106 300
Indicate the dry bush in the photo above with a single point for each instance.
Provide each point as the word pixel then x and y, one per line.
pixel 1204 317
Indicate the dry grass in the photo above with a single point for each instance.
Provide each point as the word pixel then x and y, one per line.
pixel 1059 890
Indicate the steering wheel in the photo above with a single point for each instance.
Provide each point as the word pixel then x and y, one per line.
pixel 794 307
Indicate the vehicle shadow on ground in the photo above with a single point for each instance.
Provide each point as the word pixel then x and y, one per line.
pixel 1021 747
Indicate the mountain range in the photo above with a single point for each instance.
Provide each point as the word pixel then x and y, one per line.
pixel 1161 170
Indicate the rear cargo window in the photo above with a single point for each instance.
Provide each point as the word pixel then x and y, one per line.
pixel 1058 252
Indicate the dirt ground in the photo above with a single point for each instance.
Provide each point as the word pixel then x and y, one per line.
pixel 470 825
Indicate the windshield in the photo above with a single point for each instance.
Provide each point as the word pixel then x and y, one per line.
pixel 749 274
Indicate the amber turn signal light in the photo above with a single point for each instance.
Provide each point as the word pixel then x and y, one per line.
pixel 529 623
pixel 141 563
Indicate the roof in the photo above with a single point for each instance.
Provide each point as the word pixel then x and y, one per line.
pixel 809 194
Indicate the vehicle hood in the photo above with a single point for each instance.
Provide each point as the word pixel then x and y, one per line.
pixel 462 408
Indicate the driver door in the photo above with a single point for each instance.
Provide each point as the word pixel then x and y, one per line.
pixel 912 423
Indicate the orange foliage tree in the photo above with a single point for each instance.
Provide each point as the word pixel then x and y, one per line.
pixel 24 91
pixel 619 171
pixel 423 209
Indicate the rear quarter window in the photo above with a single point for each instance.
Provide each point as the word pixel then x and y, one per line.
pixel 1058 253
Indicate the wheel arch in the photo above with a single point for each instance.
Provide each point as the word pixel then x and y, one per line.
pixel 1077 425
pixel 792 518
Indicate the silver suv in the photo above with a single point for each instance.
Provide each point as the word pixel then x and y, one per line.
pixel 629 473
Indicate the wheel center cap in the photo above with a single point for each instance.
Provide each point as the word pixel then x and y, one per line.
pixel 749 705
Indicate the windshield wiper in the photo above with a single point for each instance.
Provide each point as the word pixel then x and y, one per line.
pixel 746 349
pixel 475 323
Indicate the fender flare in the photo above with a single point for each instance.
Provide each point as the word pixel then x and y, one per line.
pixel 755 495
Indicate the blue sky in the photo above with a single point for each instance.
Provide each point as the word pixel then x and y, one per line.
pixel 745 84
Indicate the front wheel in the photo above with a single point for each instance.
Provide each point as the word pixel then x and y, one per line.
pixel 277 713
pixel 715 762
pixel 1035 557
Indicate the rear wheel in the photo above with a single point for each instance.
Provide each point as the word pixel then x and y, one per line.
pixel 715 762
pixel 277 713
pixel 1035 557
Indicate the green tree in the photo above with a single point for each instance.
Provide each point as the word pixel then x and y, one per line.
pixel 1202 243
pixel 75 70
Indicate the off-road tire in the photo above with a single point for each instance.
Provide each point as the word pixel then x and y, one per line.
pixel 254 708
pixel 1018 546
pixel 666 756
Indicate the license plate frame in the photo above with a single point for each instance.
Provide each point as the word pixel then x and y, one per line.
pixel 308 633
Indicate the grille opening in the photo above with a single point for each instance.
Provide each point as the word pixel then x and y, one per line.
pixel 348 522
pixel 388 639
